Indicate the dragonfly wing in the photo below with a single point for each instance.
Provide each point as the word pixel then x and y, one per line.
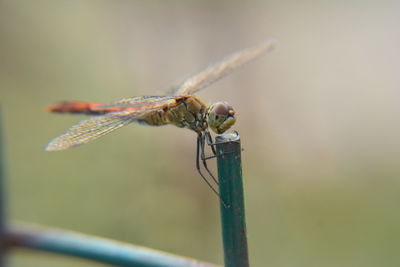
pixel 220 69
pixel 92 128
pixel 138 102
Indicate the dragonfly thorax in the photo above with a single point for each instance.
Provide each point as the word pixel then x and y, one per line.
pixel 220 116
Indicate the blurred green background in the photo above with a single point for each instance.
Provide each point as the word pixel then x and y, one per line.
pixel 319 120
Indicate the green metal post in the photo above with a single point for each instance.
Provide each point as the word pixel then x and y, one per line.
pixel 2 199
pixel 232 207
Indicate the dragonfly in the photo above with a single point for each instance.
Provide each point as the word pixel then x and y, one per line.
pixel 181 108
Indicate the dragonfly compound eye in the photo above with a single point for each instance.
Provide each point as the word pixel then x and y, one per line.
pixel 220 117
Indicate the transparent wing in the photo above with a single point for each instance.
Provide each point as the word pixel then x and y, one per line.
pixel 222 68
pixel 92 128
pixel 140 102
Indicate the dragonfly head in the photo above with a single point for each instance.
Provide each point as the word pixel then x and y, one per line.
pixel 220 117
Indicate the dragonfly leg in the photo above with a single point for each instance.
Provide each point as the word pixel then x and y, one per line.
pixel 212 145
pixel 198 156
pixel 204 159
pixel 199 152
pixel 210 142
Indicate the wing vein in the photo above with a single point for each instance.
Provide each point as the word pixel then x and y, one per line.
pixel 221 69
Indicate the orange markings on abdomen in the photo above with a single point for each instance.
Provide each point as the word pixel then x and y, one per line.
pixel 78 107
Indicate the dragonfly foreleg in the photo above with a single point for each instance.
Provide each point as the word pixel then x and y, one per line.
pixel 210 142
pixel 199 151
pixel 204 158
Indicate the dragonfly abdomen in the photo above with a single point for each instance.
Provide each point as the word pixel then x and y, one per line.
pixel 77 107
pixel 80 107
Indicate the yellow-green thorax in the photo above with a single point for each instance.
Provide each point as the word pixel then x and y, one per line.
pixel 192 113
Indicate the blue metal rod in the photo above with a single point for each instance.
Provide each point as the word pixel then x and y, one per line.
pixel 231 191
pixel 95 248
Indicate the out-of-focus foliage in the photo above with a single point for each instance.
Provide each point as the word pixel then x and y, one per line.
pixel 318 119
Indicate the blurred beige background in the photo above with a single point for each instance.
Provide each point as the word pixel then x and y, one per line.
pixel 318 119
